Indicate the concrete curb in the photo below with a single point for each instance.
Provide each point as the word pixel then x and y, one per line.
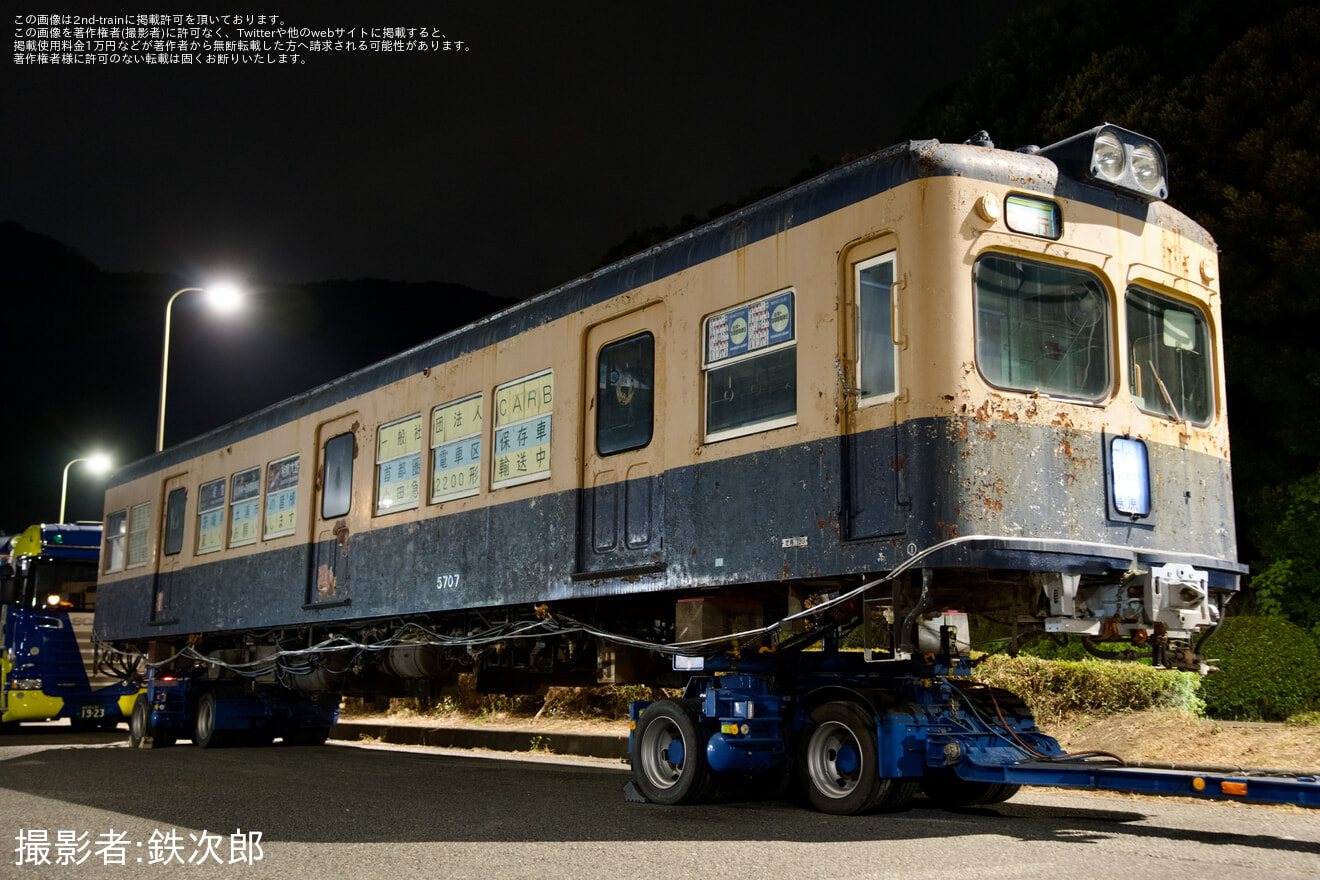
pixel 587 745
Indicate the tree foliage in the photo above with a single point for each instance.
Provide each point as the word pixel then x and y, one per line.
pixel 1290 585
pixel 1268 670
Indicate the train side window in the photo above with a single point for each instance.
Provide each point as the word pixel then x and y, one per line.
pixel 877 355
pixel 1041 328
pixel 116 528
pixel 456 448
pixel 139 527
pixel 211 516
pixel 399 465
pixel 337 491
pixel 1170 367
pixel 244 507
pixel 522 431
pixel 281 497
pixel 625 394
pixel 750 361
pixel 176 504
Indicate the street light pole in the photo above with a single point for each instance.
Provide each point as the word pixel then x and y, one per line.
pixel 97 464
pixel 164 370
pixel 225 297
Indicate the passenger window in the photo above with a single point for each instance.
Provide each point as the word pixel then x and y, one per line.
pixel 751 368
pixel 175 511
pixel 876 352
pixel 456 449
pixel 139 527
pixel 116 528
pixel 521 436
pixel 281 497
pixel 337 491
pixel 1169 357
pixel 399 465
pixel 244 507
pixel 1041 328
pixel 211 516
pixel 625 394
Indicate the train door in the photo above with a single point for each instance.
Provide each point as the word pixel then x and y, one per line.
pixel 170 556
pixel 333 513
pixel 621 514
pixel 871 456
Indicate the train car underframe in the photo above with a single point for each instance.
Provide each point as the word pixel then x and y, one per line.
pixel 852 710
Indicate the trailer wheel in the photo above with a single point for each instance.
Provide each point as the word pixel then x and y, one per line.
pixel 838 764
pixel 669 754
pixel 140 734
pixel 307 736
pixel 1003 792
pixel 205 735
pixel 948 790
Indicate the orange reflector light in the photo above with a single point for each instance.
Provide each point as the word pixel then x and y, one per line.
pixel 1198 783
pixel 1237 788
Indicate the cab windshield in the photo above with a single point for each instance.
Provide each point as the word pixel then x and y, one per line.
pixel 1169 366
pixel 1041 328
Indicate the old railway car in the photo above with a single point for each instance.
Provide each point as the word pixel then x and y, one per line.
pixel 941 377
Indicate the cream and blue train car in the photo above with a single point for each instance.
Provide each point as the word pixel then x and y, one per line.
pixel 982 379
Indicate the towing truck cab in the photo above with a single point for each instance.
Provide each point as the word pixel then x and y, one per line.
pixel 49 667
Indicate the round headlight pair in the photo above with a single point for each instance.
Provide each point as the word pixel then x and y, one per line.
pixel 1110 161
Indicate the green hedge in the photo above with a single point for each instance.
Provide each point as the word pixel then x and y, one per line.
pixel 1053 688
pixel 1269 669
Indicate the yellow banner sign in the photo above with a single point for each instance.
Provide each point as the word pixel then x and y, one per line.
pixel 525 400
pixel 457 420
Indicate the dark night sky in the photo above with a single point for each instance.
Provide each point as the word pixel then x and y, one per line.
pixel 510 167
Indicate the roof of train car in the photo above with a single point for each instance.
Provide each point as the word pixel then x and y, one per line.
pixel 800 204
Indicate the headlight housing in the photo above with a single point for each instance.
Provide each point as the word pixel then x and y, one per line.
pixel 1114 157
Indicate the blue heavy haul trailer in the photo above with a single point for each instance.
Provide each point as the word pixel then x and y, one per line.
pixel 50 668
pixel 762 462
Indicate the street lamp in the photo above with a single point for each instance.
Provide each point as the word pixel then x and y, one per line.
pixel 98 463
pixel 223 298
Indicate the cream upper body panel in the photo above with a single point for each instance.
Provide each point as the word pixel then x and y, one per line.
pixel 935 229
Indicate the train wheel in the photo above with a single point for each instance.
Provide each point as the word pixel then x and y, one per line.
pixel 669 754
pixel 205 734
pixel 838 764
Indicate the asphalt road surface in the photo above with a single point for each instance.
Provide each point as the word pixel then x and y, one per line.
pixel 360 811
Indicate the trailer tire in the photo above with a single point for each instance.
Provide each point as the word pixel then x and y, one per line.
pixel 140 733
pixel 205 734
pixel 307 736
pixel 669 754
pixel 948 790
pixel 838 764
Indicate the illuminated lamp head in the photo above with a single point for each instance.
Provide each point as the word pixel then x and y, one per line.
pixel 1114 157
